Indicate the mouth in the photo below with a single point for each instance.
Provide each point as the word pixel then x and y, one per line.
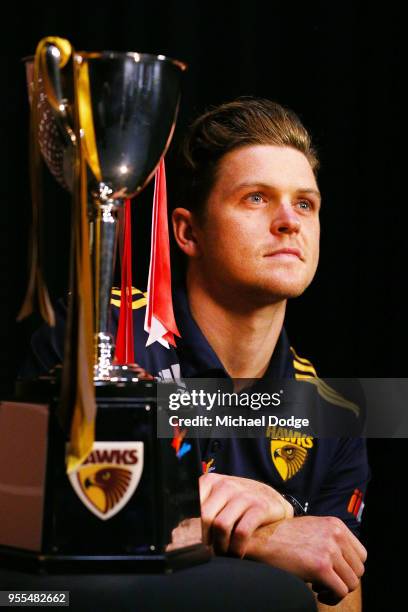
pixel 286 253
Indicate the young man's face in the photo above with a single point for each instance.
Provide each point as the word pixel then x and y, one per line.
pixel 265 199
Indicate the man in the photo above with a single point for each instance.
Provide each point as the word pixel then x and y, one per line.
pixel 250 228
pixel 248 224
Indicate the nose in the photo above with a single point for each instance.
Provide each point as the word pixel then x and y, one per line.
pixel 285 220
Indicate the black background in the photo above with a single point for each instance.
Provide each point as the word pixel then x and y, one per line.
pixel 338 66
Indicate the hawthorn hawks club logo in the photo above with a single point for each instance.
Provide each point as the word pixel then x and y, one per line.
pixel 108 477
pixel 289 450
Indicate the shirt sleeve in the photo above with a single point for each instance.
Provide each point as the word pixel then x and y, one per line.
pixel 344 488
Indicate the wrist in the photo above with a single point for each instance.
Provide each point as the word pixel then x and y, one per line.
pixel 287 507
pixel 297 508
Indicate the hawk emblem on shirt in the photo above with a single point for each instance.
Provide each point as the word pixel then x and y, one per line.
pixel 288 458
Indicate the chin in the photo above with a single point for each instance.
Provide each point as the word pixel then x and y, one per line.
pixel 279 290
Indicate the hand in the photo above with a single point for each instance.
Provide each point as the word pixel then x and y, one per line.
pixel 232 508
pixel 318 549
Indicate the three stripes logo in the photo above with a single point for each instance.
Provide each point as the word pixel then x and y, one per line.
pixel 356 504
pixel 304 371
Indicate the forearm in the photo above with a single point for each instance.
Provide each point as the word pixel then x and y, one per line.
pixel 259 547
pixel 325 553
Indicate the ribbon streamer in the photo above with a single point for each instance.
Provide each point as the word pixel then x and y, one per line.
pixel 78 405
pixel 81 343
pixel 125 352
pixel 159 321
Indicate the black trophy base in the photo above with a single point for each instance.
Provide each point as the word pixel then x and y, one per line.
pixel 16 559
pixel 132 506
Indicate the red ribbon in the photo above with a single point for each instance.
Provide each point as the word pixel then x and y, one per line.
pixel 125 351
pixel 160 304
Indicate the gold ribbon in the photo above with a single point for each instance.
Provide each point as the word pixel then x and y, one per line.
pixel 82 339
pixel 86 118
pixel 78 392
pixel 84 410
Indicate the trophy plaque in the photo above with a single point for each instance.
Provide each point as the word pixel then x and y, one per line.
pixel 132 500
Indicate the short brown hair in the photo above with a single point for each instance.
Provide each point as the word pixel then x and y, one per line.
pixel 244 121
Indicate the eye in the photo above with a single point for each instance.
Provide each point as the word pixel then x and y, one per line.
pixel 256 198
pixel 305 205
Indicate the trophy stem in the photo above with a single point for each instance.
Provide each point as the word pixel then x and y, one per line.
pixel 104 239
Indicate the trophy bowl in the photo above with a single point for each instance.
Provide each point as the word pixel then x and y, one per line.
pixel 134 98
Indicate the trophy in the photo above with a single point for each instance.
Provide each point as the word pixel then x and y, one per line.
pixel 102 122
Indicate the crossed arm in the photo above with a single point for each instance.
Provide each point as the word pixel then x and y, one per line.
pixel 248 518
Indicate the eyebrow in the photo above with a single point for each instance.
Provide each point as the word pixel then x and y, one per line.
pixel 266 186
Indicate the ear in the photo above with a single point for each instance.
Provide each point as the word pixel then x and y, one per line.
pixel 185 232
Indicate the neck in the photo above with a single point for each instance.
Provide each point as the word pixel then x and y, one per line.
pixel 243 335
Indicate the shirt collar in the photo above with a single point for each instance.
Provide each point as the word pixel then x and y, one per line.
pixel 198 359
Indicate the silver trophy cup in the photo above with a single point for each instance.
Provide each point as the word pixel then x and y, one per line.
pixel 133 101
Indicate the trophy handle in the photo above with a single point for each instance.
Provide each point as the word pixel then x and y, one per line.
pixel 54 91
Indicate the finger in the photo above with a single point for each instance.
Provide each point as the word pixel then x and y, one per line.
pixel 354 561
pixel 206 483
pixel 211 507
pixel 225 521
pixel 345 572
pixel 331 581
pixel 357 546
pixel 348 541
pixel 244 529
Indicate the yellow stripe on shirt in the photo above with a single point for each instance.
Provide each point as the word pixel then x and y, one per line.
pixel 139 298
